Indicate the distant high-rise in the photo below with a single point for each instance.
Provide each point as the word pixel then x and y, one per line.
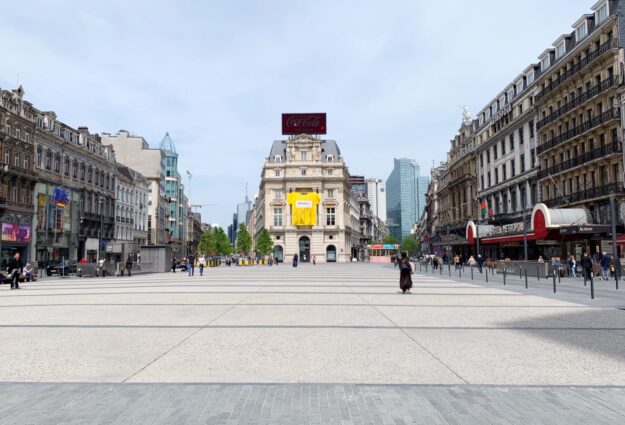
pixel 376 191
pixel 405 197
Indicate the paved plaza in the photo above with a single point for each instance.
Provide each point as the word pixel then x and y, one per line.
pixel 317 344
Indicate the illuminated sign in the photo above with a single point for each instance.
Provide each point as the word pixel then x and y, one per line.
pixel 304 123
pixel 16 232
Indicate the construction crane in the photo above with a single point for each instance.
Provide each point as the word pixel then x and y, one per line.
pixel 201 206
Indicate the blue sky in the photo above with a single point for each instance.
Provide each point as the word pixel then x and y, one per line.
pixel 392 75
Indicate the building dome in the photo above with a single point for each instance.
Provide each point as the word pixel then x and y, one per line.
pixel 167 144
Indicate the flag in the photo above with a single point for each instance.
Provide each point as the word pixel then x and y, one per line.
pixel 484 208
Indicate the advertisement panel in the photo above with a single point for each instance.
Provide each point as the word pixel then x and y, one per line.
pixel 16 232
pixel 312 123
pixel 304 208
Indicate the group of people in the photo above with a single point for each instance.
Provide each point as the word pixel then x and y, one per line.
pixel 16 271
pixel 593 265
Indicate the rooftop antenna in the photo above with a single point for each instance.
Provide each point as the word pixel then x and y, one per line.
pixel 245 192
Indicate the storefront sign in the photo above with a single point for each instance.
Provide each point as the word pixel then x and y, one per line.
pixel 585 229
pixel 16 232
pixel 502 113
pixel 60 197
pixel 304 123
pixel 508 228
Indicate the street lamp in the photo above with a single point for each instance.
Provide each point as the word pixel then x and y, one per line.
pixel 100 201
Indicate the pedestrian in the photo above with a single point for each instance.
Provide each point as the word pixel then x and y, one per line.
pixel 29 272
pixel 129 265
pixel 191 264
pixel 572 266
pixel 314 258
pixel 587 265
pixel 276 261
pixel 174 262
pixel 201 264
pixel 295 259
pixel 472 261
pixel 605 266
pixel 540 259
pixel 15 270
pixel 405 271
pixel 100 270
pixel 480 262
pixel 456 261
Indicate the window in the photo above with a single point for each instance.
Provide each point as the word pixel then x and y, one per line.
pixel 75 169
pixel 303 155
pixel 330 193
pixel 66 166
pixel 48 160
pixel 512 143
pixel 330 158
pixel 277 194
pixel 277 216
pixel 602 13
pixel 303 171
pixel 530 77
pixel 504 173
pixel 481 160
pixel 16 161
pixel 90 175
pixel 27 137
pixel 521 136
pixel 488 179
pixel 545 62
pixel 482 181
pixel 503 147
pixel 39 156
pixel 512 168
pixel 522 159
pixel 532 159
pixel 18 134
pixel 277 173
pixel 615 173
pixel 495 151
pixel 330 171
pixel 560 50
pixel 330 217
pixel 531 130
pixel 82 172
pixel 7 156
pixel 277 158
pixel 496 175
pixel 581 32
pixel 25 163
pixel 488 157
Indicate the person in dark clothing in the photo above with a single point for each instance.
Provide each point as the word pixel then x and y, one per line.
pixel 173 264
pixel 295 259
pixel 405 271
pixel 587 265
pixel 605 266
pixel 480 262
pixel 191 265
pixel 15 270
pixel 129 265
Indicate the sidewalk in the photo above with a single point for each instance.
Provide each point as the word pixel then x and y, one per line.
pixel 567 289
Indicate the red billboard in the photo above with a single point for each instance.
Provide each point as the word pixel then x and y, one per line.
pixel 304 123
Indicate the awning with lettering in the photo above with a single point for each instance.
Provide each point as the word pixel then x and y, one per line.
pixel 545 223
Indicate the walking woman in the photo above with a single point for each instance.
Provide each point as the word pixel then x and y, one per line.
pixel 405 270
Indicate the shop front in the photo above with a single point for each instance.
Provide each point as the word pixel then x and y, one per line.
pixel 15 238
pixel 552 233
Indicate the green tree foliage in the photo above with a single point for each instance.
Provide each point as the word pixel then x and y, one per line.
pixel 207 243
pixel 410 245
pixel 390 240
pixel 222 243
pixel 264 244
pixel 244 239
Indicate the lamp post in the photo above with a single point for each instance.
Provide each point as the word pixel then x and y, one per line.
pixel 100 201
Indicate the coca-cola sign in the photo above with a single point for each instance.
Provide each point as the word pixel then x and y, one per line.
pixel 304 123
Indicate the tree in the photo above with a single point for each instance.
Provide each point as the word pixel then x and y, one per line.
pixel 222 243
pixel 244 239
pixel 264 244
pixel 389 240
pixel 207 244
pixel 410 245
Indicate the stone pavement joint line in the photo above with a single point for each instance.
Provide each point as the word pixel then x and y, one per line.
pixel 331 343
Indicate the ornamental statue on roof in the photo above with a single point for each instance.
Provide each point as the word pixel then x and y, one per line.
pixel 466 116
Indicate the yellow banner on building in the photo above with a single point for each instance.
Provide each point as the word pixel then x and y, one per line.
pixel 304 208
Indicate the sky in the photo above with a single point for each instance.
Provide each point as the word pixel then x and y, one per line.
pixel 217 75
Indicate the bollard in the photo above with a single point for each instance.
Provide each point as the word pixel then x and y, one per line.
pixel 554 281
pixel 559 277
pixel 449 269
pixel 525 277
pixel 592 288
pixel 520 272
pixel 584 272
pixel 440 266
pixel 419 266
pixel 537 273
pixel 460 273
pixel 486 275
pixel 471 272
pixel 504 276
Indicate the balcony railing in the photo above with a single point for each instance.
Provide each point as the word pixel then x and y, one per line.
pixel 585 194
pixel 581 99
pixel 610 44
pixel 12 169
pixel 610 114
pixel 597 153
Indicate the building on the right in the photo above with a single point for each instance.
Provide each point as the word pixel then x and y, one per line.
pixel 405 197
pixel 579 121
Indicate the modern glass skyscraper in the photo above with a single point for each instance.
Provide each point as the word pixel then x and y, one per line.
pixel 405 197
